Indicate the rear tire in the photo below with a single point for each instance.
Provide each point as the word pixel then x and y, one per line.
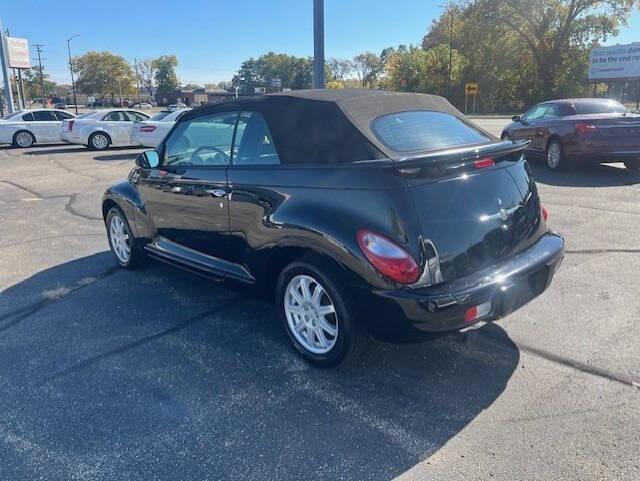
pixel 633 165
pixel 23 139
pixel 321 328
pixel 99 141
pixel 556 159
pixel 125 248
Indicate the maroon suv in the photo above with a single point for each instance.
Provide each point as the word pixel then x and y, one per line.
pixel 572 132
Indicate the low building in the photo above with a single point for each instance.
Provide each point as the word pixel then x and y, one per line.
pixel 194 97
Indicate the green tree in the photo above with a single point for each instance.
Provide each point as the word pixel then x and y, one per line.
pixel 32 86
pixel 165 75
pixel 340 68
pixel 103 73
pixel 368 67
pixel 294 72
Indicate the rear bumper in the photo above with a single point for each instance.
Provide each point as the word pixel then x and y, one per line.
pixel 506 287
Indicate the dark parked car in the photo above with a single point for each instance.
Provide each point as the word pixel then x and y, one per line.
pixel 361 211
pixel 573 132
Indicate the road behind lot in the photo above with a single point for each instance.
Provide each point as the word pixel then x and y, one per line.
pixel 107 374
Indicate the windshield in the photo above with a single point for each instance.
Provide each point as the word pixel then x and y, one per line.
pixel 425 130
pixel 600 107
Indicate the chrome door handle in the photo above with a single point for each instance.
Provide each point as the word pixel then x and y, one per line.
pixel 217 192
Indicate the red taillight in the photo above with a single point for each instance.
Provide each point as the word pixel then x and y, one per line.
pixel 482 163
pixel 545 213
pixel 147 128
pixel 586 128
pixel 389 259
pixel 70 125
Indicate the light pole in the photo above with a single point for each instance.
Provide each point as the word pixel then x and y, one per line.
pixel 73 83
pixel 318 44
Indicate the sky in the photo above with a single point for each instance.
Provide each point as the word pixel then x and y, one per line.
pixel 211 38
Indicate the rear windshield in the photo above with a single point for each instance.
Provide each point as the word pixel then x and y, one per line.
pixel 160 115
pixel 425 130
pixel 607 107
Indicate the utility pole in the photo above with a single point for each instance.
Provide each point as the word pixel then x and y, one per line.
pixel 73 84
pixel 318 44
pixel 135 63
pixel 4 64
pixel 38 47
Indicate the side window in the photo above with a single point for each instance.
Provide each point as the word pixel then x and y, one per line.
pixel 28 117
pixel 536 112
pixel 62 115
pixel 135 116
pixel 552 112
pixel 44 116
pixel 254 144
pixel 201 141
pixel 116 116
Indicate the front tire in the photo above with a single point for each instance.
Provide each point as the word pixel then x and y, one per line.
pixel 556 159
pixel 315 315
pixel 23 139
pixel 99 141
pixel 124 246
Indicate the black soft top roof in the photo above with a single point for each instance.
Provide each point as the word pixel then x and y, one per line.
pixel 329 125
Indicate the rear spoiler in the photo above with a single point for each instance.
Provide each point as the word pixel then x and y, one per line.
pixel 493 150
pixel 459 155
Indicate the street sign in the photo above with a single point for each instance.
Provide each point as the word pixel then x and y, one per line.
pixel 18 49
pixel 471 88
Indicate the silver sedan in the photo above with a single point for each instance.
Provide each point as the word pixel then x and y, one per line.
pixel 102 129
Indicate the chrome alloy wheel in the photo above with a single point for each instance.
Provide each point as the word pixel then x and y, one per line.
pixel 554 154
pixel 99 141
pixel 119 239
pixel 24 139
pixel 311 314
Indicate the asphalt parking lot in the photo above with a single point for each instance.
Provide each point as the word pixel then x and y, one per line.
pixel 107 374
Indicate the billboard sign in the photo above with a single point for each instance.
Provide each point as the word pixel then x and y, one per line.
pixel 18 52
pixel 616 62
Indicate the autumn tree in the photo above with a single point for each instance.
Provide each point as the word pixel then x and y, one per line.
pixel 553 31
pixel 147 74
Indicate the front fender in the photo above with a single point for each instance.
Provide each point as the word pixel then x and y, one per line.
pixel 125 195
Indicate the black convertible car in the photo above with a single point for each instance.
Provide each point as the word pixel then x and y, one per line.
pixel 362 211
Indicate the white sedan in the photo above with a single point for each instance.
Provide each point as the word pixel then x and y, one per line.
pixel 28 127
pixel 102 129
pixel 150 133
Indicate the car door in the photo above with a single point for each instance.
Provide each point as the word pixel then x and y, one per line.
pixel 133 117
pixel 527 130
pixel 544 126
pixel 45 126
pixel 118 126
pixel 253 179
pixel 186 195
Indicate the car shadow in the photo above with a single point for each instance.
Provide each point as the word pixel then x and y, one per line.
pixel 587 176
pixel 110 157
pixel 161 374
pixel 59 149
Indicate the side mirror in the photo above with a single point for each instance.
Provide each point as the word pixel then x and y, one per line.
pixel 148 159
pixel 516 118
